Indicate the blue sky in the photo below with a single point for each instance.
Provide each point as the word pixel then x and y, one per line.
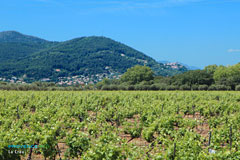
pixel 194 32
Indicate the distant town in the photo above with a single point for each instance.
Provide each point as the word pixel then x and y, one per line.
pixel 80 79
pixel 71 80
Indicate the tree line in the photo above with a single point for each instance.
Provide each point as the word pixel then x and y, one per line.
pixel 212 77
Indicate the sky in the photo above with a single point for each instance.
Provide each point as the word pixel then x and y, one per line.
pixel 194 32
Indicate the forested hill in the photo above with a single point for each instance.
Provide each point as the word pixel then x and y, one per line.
pixel 13 36
pixel 37 58
pixel 14 45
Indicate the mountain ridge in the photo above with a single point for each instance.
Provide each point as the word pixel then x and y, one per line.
pixel 14 36
pixel 15 45
pixel 79 56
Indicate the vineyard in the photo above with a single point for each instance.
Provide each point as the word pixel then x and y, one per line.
pixel 111 125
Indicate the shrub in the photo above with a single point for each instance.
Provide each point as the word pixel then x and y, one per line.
pixel 172 87
pixel 219 87
pixel 161 86
pixel 105 87
pixel 52 89
pixel 212 87
pixel 223 87
pixel 237 88
pixel 113 87
pixel 142 87
pixel 146 87
pixel 154 87
pixel 99 85
pixel 203 87
pixel 122 87
pixel 138 87
pixel 130 87
pixel 146 82
pixel 194 87
pixel 185 87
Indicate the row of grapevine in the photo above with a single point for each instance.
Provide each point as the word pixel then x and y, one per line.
pixel 120 125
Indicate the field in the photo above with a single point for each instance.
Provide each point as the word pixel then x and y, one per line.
pixel 112 125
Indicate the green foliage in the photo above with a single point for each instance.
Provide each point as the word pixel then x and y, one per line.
pixel 134 129
pixel 161 86
pixel 15 46
pixel 142 87
pixel 120 124
pixel 203 87
pixel 104 151
pixel 226 78
pixel 194 87
pixel 211 68
pixel 229 75
pixel 196 77
pixel 13 36
pixel 172 87
pixel 219 87
pixel 148 133
pixel 185 87
pixel 102 83
pixel 237 88
pixel 78 144
pixel 137 74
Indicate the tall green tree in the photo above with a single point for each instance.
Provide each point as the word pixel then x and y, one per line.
pixel 137 74
pixel 229 75
pixel 196 77
pixel 211 68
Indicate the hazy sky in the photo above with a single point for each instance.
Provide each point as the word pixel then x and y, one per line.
pixel 194 32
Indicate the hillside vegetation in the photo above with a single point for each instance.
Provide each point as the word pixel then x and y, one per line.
pixel 14 46
pixel 35 58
